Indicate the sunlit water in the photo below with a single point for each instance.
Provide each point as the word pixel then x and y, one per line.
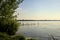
pixel 40 29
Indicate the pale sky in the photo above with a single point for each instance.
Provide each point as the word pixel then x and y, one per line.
pixel 39 9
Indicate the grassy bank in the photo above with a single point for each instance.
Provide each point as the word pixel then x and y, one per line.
pixel 4 36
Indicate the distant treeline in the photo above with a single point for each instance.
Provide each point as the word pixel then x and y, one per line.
pixel 38 20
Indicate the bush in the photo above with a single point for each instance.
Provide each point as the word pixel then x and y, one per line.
pixel 8 26
pixel 31 39
pixel 4 36
pixel 18 38
pixel 8 21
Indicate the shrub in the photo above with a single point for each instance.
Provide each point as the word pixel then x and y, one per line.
pixel 4 36
pixel 31 39
pixel 8 21
pixel 17 37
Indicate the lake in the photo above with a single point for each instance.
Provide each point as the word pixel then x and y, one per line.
pixel 43 30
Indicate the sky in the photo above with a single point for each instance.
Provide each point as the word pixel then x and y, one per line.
pixel 39 10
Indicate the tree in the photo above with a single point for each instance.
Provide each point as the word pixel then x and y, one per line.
pixel 8 22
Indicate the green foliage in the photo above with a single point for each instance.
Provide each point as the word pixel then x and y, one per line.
pixel 4 36
pixel 18 38
pixel 31 39
pixel 8 23
pixel 8 26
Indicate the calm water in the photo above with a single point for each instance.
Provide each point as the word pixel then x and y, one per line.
pixel 40 29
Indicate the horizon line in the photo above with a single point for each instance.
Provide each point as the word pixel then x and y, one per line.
pixel 37 20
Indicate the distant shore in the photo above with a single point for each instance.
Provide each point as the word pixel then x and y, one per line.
pixel 38 20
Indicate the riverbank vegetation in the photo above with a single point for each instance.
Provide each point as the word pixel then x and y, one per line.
pixel 8 22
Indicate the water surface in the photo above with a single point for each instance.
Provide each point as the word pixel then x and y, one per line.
pixel 40 29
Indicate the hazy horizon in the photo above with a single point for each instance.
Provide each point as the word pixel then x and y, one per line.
pixel 39 10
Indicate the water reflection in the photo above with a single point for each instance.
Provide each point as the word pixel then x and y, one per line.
pixel 40 29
